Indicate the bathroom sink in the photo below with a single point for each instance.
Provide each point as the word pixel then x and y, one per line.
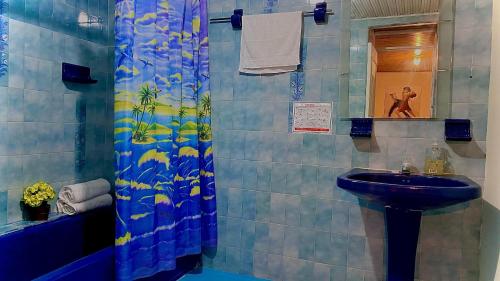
pixel 405 198
pixel 414 192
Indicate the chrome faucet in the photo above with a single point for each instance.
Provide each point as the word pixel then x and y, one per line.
pixel 406 167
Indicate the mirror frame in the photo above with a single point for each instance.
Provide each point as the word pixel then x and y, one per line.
pixel 352 96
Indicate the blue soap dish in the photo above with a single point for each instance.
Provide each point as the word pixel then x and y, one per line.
pixel 76 74
pixel 361 127
pixel 457 130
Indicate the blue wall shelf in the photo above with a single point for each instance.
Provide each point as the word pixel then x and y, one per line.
pixel 457 130
pixel 76 74
pixel 361 127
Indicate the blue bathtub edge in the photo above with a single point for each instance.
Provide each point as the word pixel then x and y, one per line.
pixel 99 263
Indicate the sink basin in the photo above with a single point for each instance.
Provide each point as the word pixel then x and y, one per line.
pixel 405 197
pixel 414 192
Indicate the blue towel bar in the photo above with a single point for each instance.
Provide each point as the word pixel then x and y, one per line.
pixel 320 14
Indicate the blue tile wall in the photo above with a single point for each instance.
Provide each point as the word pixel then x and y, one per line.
pixel 68 17
pixel 50 130
pixel 281 215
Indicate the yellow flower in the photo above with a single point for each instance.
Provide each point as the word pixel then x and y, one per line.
pixel 38 193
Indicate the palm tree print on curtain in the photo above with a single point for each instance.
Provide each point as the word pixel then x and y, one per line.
pixel 165 189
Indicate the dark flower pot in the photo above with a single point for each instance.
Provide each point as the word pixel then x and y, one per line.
pixel 40 213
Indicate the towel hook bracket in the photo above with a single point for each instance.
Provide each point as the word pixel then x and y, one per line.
pixel 320 13
pixel 237 19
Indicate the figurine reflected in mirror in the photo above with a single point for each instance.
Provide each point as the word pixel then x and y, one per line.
pixel 402 106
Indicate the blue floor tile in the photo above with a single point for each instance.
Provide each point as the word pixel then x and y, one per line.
pixel 214 275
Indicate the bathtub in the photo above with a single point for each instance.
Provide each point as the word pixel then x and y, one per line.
pixel 99 266
pixel 70 248
pixel 36 250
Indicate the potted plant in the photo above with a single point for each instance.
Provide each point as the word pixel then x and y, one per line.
pixel 34 203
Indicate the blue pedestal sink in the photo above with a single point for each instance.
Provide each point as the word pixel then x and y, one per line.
pixel 405 197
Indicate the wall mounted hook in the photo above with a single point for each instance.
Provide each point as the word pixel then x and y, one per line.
pixel 320 13
pixel 237 19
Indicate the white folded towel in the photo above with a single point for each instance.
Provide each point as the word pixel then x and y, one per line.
pixel 270 43
pixel 76 208
pixel 80 192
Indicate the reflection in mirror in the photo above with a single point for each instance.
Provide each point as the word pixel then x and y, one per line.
pixel 396 58
pixel 401 69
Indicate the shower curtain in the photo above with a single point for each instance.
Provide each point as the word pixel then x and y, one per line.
pixel 165 189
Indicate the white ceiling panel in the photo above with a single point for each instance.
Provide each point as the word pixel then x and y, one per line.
pixel 391 8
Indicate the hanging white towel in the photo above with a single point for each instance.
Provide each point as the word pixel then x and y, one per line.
pixel 77 208
pixel 80 192
pixel 270 43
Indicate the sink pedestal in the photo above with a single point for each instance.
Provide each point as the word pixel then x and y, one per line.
pixel 405 198
pixel 402 228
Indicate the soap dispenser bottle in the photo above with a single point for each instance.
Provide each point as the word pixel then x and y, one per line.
pixel 434 160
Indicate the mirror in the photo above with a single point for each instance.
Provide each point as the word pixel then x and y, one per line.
pixel 401 71
pixel 396 59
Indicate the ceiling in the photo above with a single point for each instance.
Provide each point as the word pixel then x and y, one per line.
pixel 404 37
pixel 391 8
pixel 397 47
pixel 402 61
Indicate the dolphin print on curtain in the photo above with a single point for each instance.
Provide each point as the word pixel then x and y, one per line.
pixel 165 188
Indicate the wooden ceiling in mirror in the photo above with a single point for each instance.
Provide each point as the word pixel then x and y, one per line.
pixel 392 8
pixel 405 36
pixel 405 48
pixel 402 61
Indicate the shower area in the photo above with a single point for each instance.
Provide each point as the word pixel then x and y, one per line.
pixel 112 90
pixel 54 130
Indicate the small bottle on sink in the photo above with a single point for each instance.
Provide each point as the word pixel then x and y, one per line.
pixel 434 160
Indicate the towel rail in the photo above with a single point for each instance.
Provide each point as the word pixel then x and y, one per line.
pixel 320 15
pixel 228 19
